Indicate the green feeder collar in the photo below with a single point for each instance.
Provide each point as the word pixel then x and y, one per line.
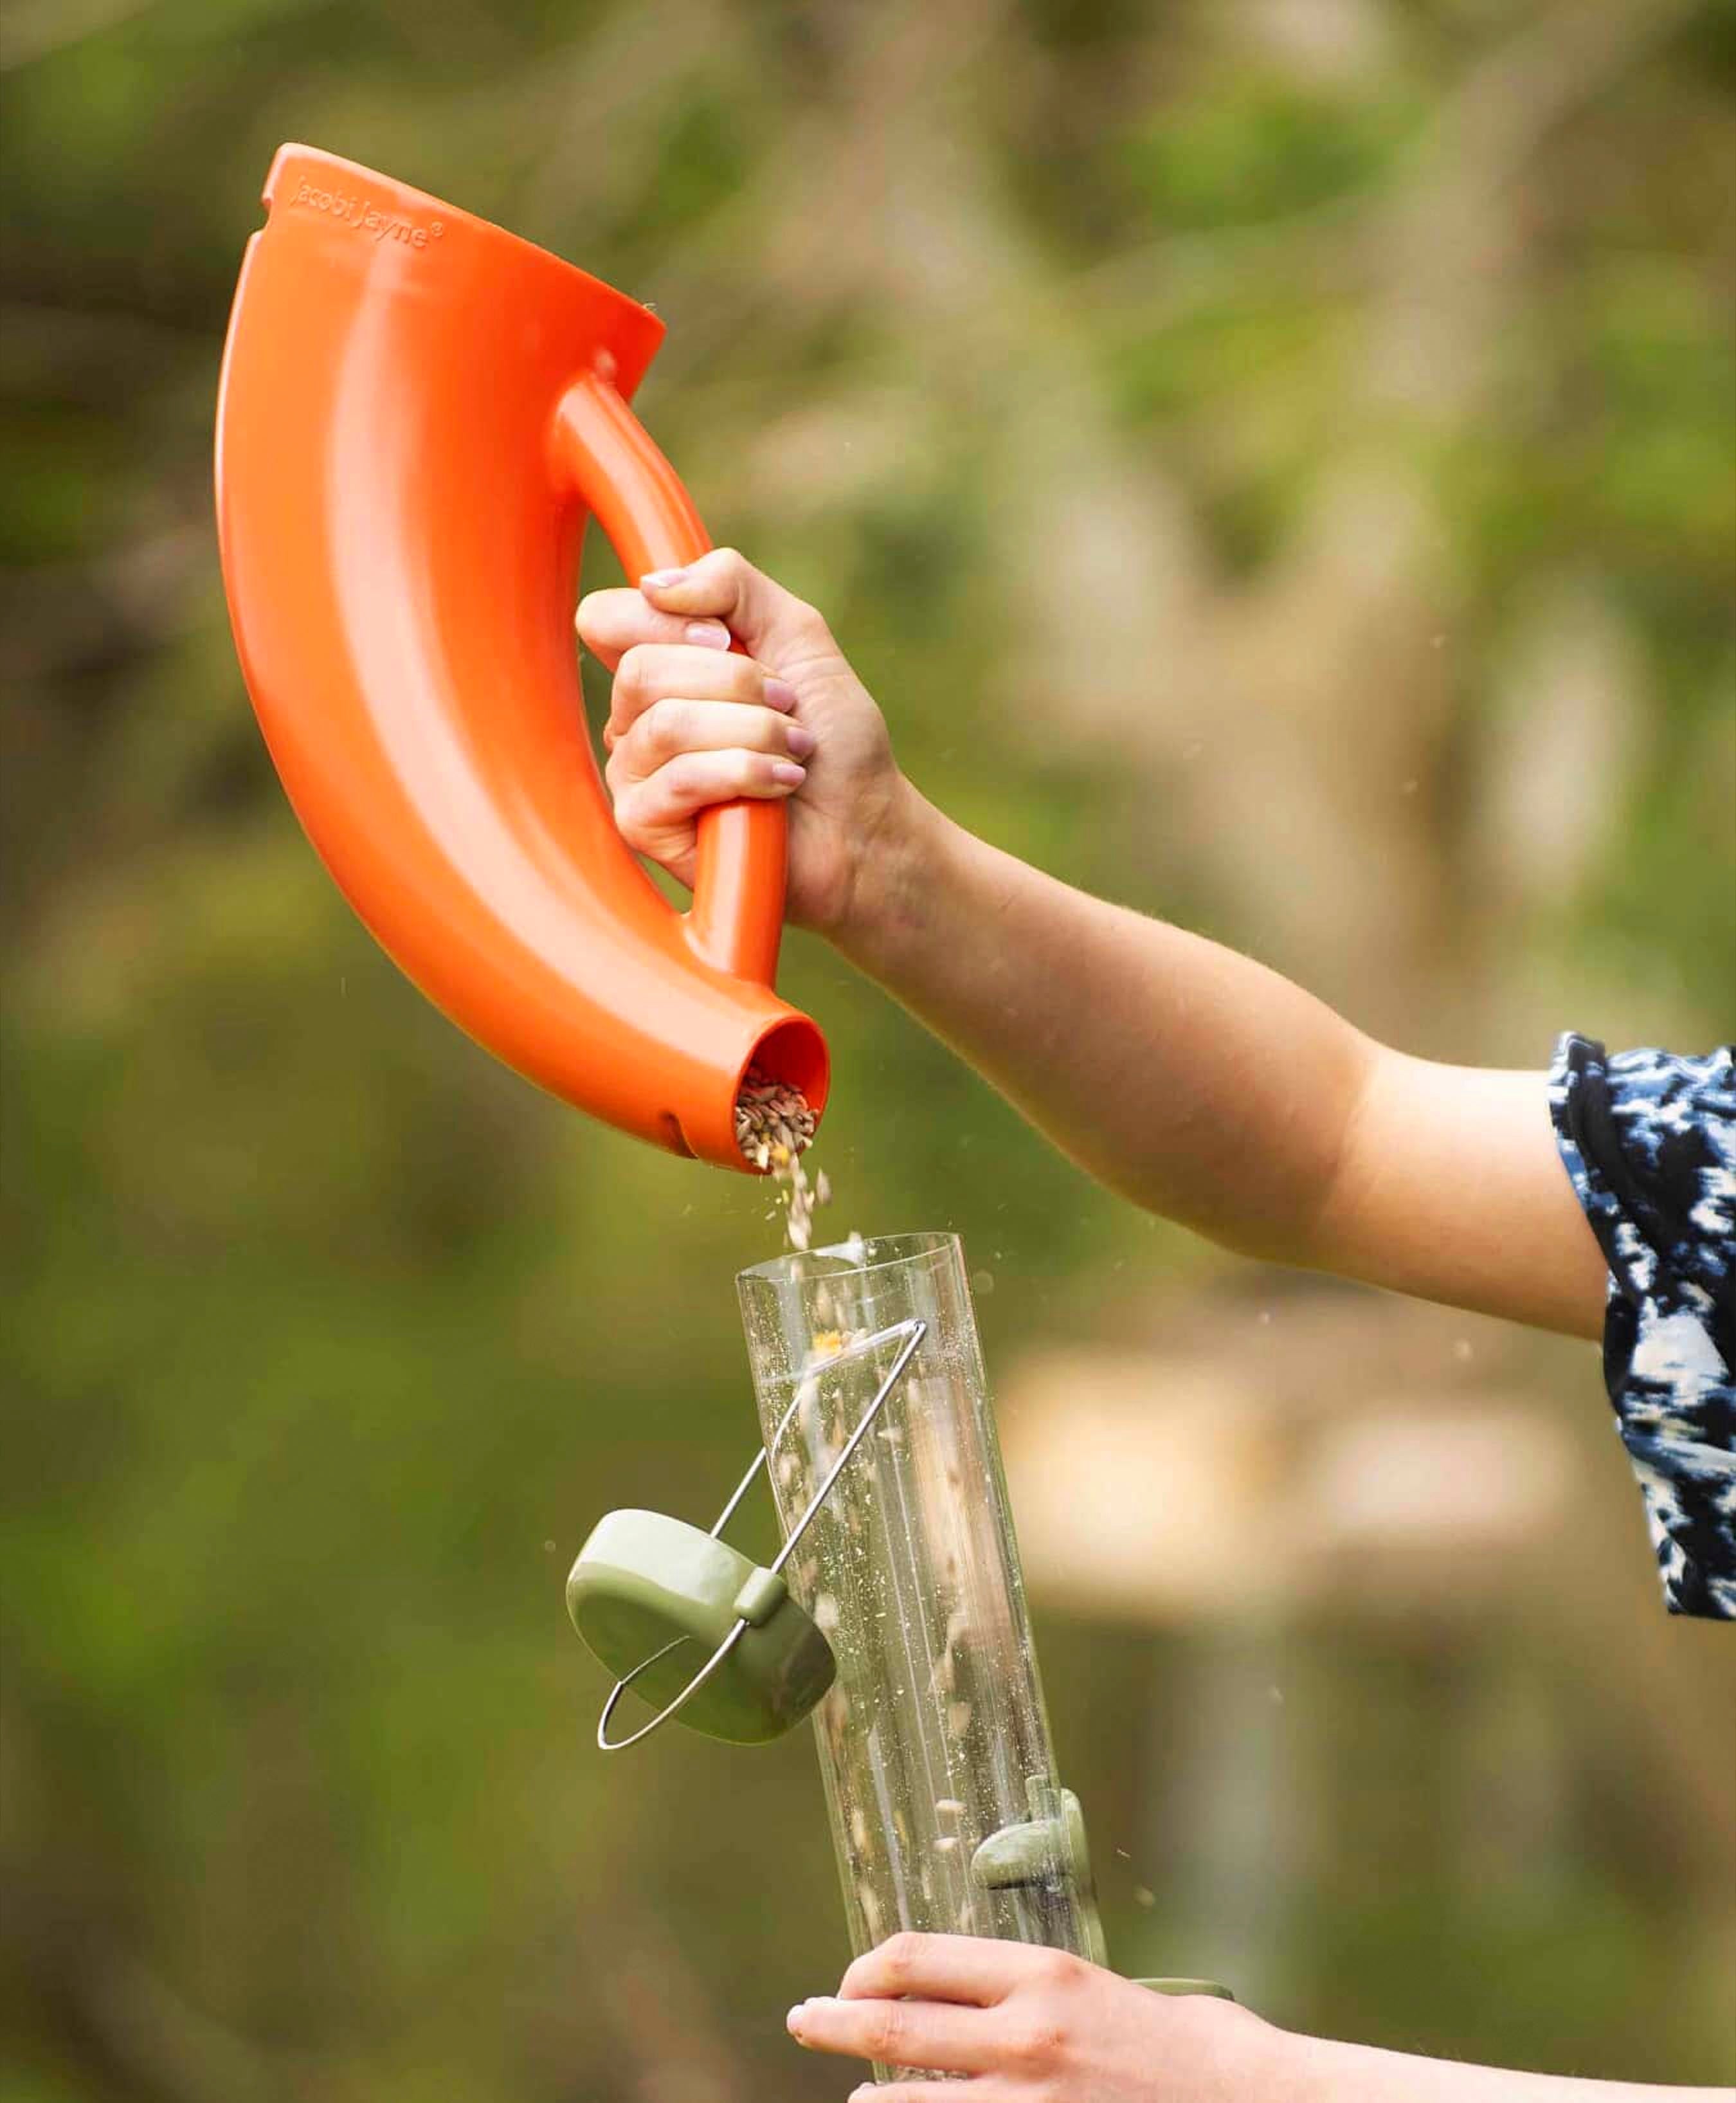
pixel 696 1627
pixel 655 1598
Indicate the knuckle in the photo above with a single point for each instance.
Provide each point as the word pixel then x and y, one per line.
pixel 680 779
pixel 629 814
pixel 633 673
pixel 1038 2042
pixel 887 2032
pixel 899 1957
pixel 669 727
pixel 1058 1970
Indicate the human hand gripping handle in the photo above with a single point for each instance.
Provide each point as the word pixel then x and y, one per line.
pixel 688 725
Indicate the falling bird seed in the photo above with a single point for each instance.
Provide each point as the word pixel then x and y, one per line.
pixel 774 1127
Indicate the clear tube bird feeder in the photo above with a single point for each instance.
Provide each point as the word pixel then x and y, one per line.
pixel 945 1810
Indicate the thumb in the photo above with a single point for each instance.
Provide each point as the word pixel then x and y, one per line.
pixel 769 623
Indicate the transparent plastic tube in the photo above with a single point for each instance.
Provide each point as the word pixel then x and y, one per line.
pixel 946 1814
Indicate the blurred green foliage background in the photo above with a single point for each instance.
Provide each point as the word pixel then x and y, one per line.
pixel 1274 464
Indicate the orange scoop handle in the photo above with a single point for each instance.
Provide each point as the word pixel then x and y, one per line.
pixel 417 413
pixel 737 916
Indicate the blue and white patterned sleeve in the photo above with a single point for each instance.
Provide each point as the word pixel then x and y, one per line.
pixel 1649 1142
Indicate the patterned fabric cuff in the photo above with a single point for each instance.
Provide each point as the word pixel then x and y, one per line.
pixel 1648 1141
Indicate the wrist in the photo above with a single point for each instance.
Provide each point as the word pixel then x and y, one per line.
pixel 1317 2069
pixel 898 865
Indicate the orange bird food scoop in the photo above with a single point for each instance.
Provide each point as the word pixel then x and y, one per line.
pixel 417 413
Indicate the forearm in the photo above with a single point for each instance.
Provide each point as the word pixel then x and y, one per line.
pixel 1322 2072
pixel 1191 1079
pixel 1206 1087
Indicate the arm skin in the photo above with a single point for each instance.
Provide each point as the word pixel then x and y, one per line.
pixel 1189 1079
pixel 1031 2025
pixel 1359 2073
pixel 1207 1088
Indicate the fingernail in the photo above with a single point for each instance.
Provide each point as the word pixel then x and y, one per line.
pixel 779 694
pixel 789 773
pixel 793 2021
pixel 658 580
pixel 709 634
pixel 799 740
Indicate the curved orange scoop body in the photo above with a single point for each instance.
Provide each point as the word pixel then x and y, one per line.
pixel 417 413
